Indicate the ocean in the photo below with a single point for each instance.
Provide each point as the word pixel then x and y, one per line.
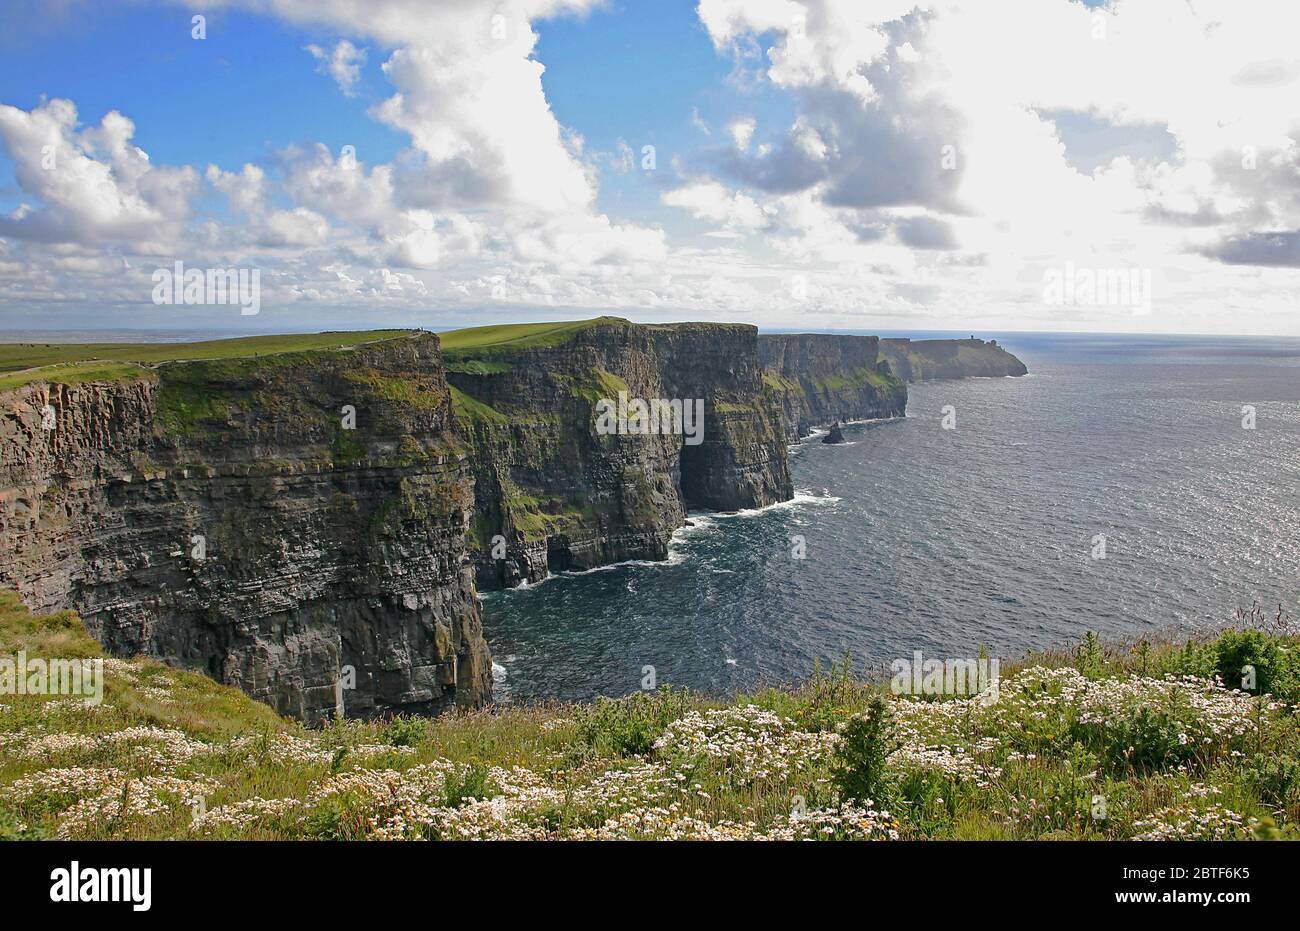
pixel 1114 489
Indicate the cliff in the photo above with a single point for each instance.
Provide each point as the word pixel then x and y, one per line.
pixel 817 379
pixel 554 492
pixel 925 359
pixel 303 516
pixel 220 514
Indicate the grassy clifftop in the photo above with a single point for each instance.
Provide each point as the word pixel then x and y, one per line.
pixel 1092 744
pixel 510 337
pixel 920 360
pixel 73 363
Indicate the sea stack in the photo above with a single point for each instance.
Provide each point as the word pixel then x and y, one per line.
pixel 835 436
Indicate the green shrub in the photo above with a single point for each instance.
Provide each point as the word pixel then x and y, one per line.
pixel 630 725
pixel 1192 659
pixel 1089 658
pixel 1146 740
pixel 1273 666
pixel 338 817
pixel 858 771
pixel 12 828
pixel 405 731
pixel 471 785
pixel 923 798
pixel 1275 779
pixel 832 698
pixel 1266 828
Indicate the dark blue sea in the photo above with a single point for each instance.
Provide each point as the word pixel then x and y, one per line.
pixel 921 538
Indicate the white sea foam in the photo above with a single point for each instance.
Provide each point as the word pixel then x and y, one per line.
pixel 800 499
pixel 672 560
pixel 854 423
pixel 701 522
pixel 527 584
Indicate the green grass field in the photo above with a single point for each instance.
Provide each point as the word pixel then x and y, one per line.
pixel 73 373
pixel 72 363
pixel 511 336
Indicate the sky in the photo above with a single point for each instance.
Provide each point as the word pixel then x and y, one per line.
pixel 1055 165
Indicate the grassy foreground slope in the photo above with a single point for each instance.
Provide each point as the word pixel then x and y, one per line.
pixel 1089 745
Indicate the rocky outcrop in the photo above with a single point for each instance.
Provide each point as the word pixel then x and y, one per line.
pixel 834 434
pixel 817 378
pixel 555 491
pixel 223 516
pixel 925 359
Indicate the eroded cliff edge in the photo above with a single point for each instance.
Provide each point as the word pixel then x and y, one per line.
pixel 221 516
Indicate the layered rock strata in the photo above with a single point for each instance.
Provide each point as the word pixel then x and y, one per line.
pixel 292 524
pixel 817 379
pixel 555 492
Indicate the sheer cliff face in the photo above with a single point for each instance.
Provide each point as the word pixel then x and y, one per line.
pixel 220 516
pixel 924 359
pixel 553 492
pixel 741 462
pixel 822 378
pixel 307 525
